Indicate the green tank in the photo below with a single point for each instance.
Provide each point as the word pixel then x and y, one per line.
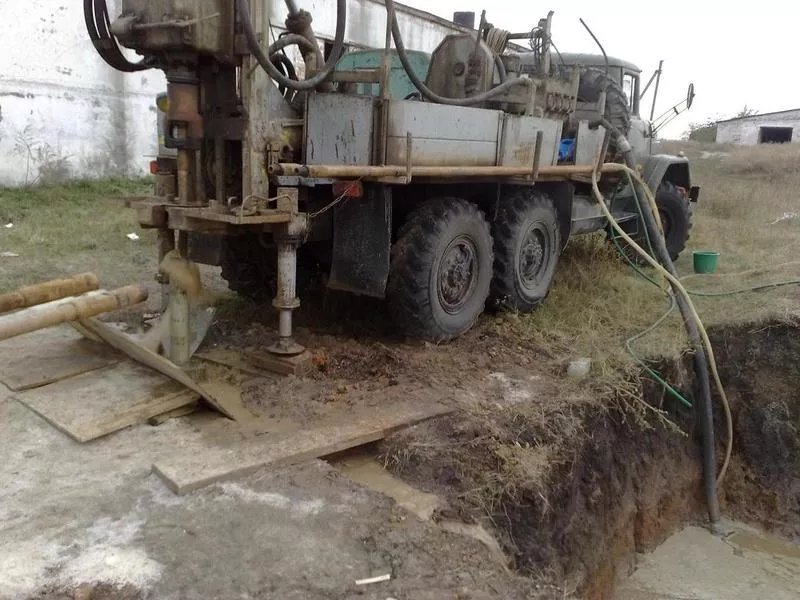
pixel 401 86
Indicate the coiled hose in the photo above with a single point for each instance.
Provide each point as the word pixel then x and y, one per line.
pixel 263 57
pixel 98 23
pixel 426 92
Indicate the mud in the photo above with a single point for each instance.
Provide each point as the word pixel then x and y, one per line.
pixel 572 487
pixel 594 488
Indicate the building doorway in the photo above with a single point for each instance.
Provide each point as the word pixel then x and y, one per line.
pixel 774 135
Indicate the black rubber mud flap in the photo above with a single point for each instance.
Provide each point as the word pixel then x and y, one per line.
pixel 362 241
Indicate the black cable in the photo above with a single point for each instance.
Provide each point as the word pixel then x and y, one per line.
pixel 701 368
pixel 266 64
pixel 98 23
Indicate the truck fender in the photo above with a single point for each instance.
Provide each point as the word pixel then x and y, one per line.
pixel 666 167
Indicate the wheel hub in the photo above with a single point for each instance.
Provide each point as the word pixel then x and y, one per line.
pixel 532 255
pixel 457 274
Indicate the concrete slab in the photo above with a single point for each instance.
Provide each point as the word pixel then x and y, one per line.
pixel 72 514
pixel 695 565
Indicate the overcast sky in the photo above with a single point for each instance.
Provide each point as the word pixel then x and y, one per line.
pixel 720 46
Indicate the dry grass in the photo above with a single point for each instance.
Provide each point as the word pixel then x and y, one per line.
pixel 597 301
pixel 64 230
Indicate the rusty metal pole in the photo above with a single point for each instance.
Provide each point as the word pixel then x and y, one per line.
pixel 48 291
pixel 187 132
pixel 288 238
pixel 67 310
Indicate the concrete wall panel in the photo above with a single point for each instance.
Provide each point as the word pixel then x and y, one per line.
pixel 65 113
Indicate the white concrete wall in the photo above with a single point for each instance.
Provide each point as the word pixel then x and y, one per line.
pixel 744 132
pixel 64 113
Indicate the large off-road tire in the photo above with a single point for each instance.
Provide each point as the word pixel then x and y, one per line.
pixel 527 246
pixel 249 267
pixel 676 218
pixel 441 270
pixel 593 82
pixel 675 212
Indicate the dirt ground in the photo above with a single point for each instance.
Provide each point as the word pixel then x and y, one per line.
pixel 574 480
pixel 95 516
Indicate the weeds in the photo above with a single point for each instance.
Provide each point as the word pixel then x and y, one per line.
pixel 63 230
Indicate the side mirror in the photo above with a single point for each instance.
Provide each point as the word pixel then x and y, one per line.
pixel 690 96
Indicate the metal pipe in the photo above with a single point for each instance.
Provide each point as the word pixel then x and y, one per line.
pixel 67 310
pixel 179 352
pixel 48 291
pixel 286 300
pixel 185 181
pixel 387 171
pixel 655 92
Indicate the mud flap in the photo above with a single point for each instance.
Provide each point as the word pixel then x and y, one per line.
pixel 362 241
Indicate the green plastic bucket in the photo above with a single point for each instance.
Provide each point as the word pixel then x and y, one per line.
pixel 705 261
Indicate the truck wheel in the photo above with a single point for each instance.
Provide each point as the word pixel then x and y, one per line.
pixel 249 267
pixel 527 245
pixel 441 270
pixel 676 218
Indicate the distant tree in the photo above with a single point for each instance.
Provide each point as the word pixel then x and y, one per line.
pixel 746 112
pixel 705 131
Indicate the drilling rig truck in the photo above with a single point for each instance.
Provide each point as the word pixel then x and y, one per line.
pixel 443 183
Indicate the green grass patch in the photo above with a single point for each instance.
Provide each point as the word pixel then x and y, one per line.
pixel 61 230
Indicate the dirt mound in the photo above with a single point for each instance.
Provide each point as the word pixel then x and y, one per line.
pixel 574 489
pixel 761 368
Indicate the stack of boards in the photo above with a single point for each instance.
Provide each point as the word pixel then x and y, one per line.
pixel 89 380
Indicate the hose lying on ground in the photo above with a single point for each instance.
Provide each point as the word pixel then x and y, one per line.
pixel 263 57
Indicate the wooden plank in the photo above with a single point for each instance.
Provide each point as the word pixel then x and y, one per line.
pixel 184 472
pixel 96 404
pixel 227 405
pixel 42 357
pixel 233 359
pixel 173 414
pixel 301 364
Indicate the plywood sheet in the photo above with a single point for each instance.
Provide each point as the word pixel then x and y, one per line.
pixel 230 406
pixel 192 469
pixel 98 403
pixel 36 359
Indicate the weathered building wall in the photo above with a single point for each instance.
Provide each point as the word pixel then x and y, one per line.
pixel 64 113
pixel 745 131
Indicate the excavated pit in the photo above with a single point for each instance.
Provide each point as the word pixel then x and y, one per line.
pixel 619 486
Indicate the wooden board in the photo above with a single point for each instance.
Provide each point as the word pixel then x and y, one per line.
pixel 92 405
pixel 233 359
pixel 228 405
pixel 41 357
pixel 282 365
pixel 184 472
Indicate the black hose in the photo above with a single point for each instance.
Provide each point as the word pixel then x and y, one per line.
pixel 263 60
pixel 95 14
pixel 425 90
pixel 705 415
pixel 282 62
pixel 290 39
pixel 501 68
